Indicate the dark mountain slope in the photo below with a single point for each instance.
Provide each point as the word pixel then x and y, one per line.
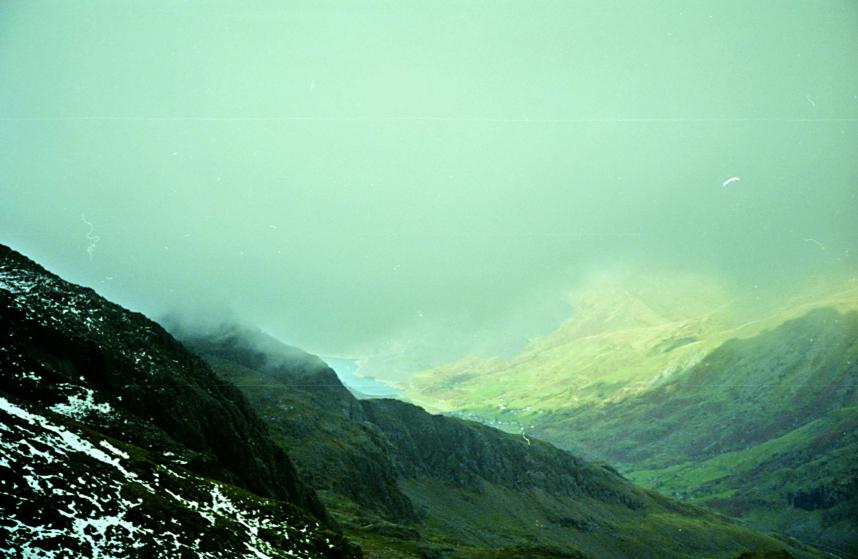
pixel 465 453
pixel 478 492
pixel 312 414
pixel 75 367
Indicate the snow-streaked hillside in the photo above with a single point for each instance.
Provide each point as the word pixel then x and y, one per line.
pixel 115 441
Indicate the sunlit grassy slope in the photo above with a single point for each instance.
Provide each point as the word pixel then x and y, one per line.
pixel 751 413
pixel 623 338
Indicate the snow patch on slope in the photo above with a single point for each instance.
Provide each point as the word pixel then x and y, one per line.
pixel 93 501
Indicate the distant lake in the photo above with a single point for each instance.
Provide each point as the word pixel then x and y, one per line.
pixel 346 370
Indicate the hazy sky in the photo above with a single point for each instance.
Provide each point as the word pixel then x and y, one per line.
pixel 363 177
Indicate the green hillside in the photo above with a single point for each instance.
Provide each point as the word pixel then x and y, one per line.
pixel 752 416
